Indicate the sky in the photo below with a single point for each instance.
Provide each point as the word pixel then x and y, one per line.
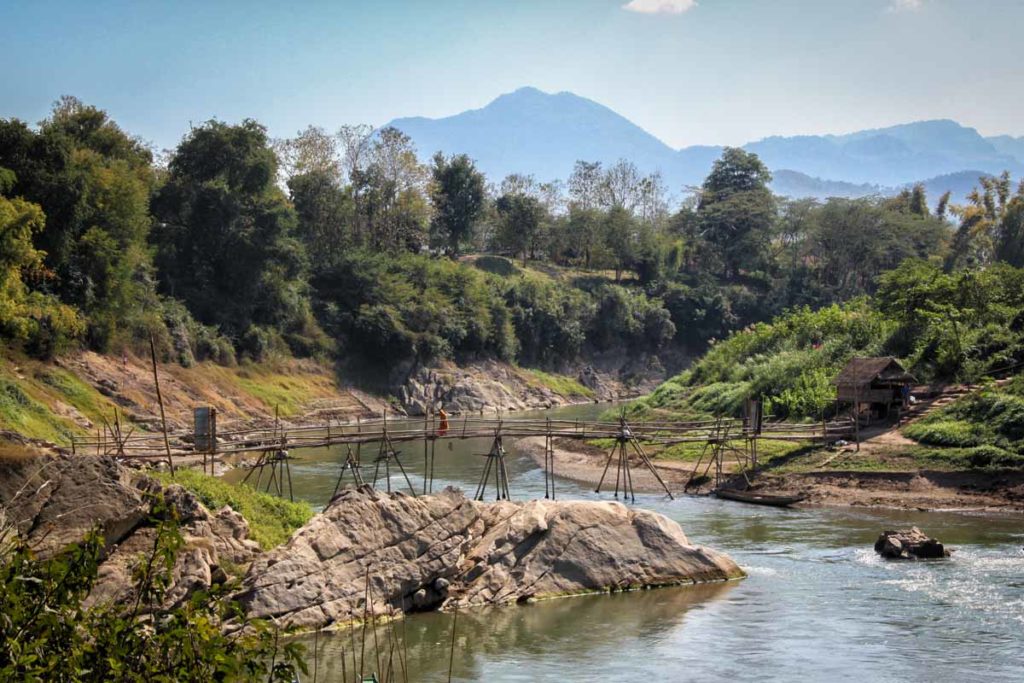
pixel 688 71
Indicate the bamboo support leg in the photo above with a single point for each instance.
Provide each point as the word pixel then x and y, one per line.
pixel 607 464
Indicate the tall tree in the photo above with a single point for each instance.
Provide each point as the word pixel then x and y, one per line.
pixel 586 185
pixel 225 232
pixel 93 182
pixel 458 194
pixel 392 193
pixel 520 219
pixel 326 213
pixel 991 225
pixel 737 211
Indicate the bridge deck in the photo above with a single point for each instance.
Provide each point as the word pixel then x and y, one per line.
pixel 147 446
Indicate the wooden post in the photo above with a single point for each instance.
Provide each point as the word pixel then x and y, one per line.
pixel 160 400
pixel 856 416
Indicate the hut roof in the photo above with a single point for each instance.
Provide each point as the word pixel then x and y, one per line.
pixel 864 371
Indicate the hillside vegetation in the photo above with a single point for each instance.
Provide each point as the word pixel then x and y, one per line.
pixel 944 326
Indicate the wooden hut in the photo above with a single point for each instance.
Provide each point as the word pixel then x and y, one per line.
pixel 874 381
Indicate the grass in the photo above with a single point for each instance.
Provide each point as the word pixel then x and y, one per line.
pixel 30 392
pixel 560 384
pixel 983 430
pixel 984 457
pixel 271 520
pixel 288 389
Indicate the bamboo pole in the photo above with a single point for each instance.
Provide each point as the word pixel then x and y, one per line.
pixel 160 400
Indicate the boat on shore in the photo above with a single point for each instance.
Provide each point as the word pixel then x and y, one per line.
pixel 758 498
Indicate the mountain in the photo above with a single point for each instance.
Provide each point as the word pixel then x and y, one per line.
pixel 530 131
pixel 888 156
pixel 795 184
pixel 1007 144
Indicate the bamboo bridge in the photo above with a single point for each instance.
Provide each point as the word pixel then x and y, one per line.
pixel 273 446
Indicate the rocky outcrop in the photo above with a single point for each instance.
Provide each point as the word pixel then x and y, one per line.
pixel 56 501
pixel 909 544
pixel 488 385
pixel 430 552
pixel 493 385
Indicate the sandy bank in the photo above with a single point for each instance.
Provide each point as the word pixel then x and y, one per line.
pixel 922 490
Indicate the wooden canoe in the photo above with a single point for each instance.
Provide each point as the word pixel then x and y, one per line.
pixel 758 498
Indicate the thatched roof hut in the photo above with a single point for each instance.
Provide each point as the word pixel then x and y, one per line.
pixel 871 380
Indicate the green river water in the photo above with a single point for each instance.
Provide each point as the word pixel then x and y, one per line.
pixel 818 605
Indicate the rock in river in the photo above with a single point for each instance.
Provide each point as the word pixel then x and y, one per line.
pixel 909 544
pixel 432 551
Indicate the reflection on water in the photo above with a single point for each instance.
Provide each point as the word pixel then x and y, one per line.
pixel 586 631
pixel 818 604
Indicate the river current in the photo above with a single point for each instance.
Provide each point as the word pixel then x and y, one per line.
pixel 818 604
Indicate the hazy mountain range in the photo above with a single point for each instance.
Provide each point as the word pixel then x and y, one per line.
pixel 530 131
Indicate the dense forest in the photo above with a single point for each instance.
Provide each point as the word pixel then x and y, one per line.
pixel 235 246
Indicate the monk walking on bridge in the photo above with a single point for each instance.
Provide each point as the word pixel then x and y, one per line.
pixel 442 427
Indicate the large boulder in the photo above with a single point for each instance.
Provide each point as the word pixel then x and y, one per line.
pixel 56 501
pixel 909 544
pixel 431 552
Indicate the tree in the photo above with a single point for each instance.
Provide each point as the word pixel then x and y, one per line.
pixel 458 195
pixel 520 218
pixel 225 232
pixel 325 211
pixel 620 238
pixel 313 150
pixel 586 185
pixel 737 211
pixel 92 181
pixel 991 225
pixel 391 192
pixel 28 317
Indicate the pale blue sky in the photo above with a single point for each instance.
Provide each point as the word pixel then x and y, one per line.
pixel 710 72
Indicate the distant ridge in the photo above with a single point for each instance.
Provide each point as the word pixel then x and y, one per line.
pixel 544 134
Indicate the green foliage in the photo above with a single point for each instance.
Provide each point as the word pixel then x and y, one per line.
pixel 34 319
pixel 944 433
pixel 48 633
pixel 457 193
pixel 225 235
pixel 520 218
pixel 550 321
pixel 736 212
pixel 788 363
pixel 92 181
pixel 628 318
pixel 955 325
pixel 394 309
pixel 560 384
pixel 992 417
pixel 496 265
pixel 272 520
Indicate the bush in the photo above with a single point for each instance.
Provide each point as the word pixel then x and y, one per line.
pixel 496 265
pixel 944 433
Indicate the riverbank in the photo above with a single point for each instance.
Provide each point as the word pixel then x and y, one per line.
pixel 924 490
pixel 45 405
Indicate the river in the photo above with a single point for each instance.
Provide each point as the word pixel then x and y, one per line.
pixel 818 603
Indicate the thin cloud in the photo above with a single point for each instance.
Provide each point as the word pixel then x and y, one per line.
pixel 905 5
pixel 660 6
